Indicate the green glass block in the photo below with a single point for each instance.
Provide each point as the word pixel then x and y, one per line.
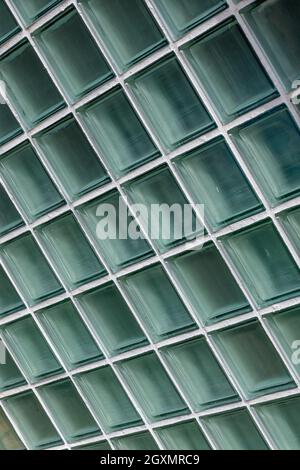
pixel 10 301
pixel 170 103
pixel 32 421
pixel 270 145
pixel 29 182
pixel 111 319
pixel 10 375
pixel 73 55
pixel 291 222
pixel 30 349
pixel 10 219
pixel 108 399
pixel 139 441
pixel 183 436
pixel 31 10
pixel 29 87
pixel 243 83
pixel 69 334
pixel 70 252
pixel 9 126
pixel 118 132
pixel 130 35
pixel 9 439
pixel 30 270
pixel 208 284
pixel 157 303
pixel 199 374
pixel 103 445
pixel 69 411
pixel 264 263
pixel 152 387
pixel 253 359
pixel 8 25
pixel 235 430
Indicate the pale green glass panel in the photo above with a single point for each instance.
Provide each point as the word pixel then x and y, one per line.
pixel 10 219
pixel 9 439
pixel 291 222
pixel 108 399
pixel 253 359
pixel 10 375
pixel 140 441
pixel 208 284
pixel 8 25
pixel 9 126
pixel 10 301
pixel 183 436
pixel 31 10
pixel 103 445
pixel 111 319
pixel 152 388
pixel 243 83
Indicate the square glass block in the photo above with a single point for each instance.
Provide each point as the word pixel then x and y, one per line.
pixel 208 285
pixel 111 319
pixel 214 178
pixel 291 221
pixel 102 445
pixel 139 441
pixel 10 376
pixel 31 272
pixel 235 430
pixel 70 252
pixel 264 263
pixel 152 388
pixel 157 303
pixel 8 25
pixel 243 83
pixel 118 132
pixel 117 251
pixel 10 301
pixel 69 335
pixel 9 439
pixel 9 126
pixel 199 375
pixel 10 219
pixel 30 349
pixel 68 410
pixel 29 86
pixel 126 27
pixel 170 103
pixel 71 158
pixel 29 182
pixel 253 359
pixel 31 10
pixel 108 399
pixel 183 436
pixel 30 418
pixel 73 55
pixel 270 145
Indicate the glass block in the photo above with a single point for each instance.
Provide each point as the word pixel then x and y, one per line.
pixel 183 436
pixel 111 319
pixel 157 303
pixel 9 126
pixel 118 132
pixel 270 145
pixel 10 219
pixel 62 399
pixel 10 301
pixel 199 375
pixel 214 178
pixel 9 439
pixel 170 103
pixel 152 387
pixel 243 348
pixel 31 10
pixel 69 334
pixel 29 182
pixel 73 55
pixel 30 270
pixel 208 284
pixel 10 376
pixel 8 25
pixel 70 252
pixel 139 441
pixel 108 399
pixel 291 222
pixel 130 35
pixel 264 263
pixel 30 349
pixel 103 445
pixel 32 421
pixel 243 83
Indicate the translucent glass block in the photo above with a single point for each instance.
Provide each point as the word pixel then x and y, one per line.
pixel 108 399
pixel 235 430
pixel 270 145
pixel 111 319
pixel 31 10
pixel 264 263
pixel 170 103
pixel 10 376
pixel 199 374
pixel 130 35
pixel 9 440
pixel 118 132
pixel 9 126
pixel 157 303
pixel 70 252
pixel 10 219
pixel 103 445
pixel 10 301
pixel 140 441
pixel 29 182
pixel 214 178
pixel 152 387
pixel 30 270
pixel 69 334
pixel 73 55
pixel 32 421
pixel 8 25
pixel 243 83
pixel 243 348
pixel 208 284
pixel 183 436
pixel 68 410
pixel 291 222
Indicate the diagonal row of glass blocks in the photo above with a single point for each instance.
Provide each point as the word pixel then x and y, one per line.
pixel 156 344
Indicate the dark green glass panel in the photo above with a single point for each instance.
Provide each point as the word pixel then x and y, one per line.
pixel 103 445
pixel 8 25
pixel 140 441
pixel 9 126
pixel 10 301
pixel 183 436
pixel 291 222
pixel 10 219
pixel 9 439
pixel 31 10
pixel 10 375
